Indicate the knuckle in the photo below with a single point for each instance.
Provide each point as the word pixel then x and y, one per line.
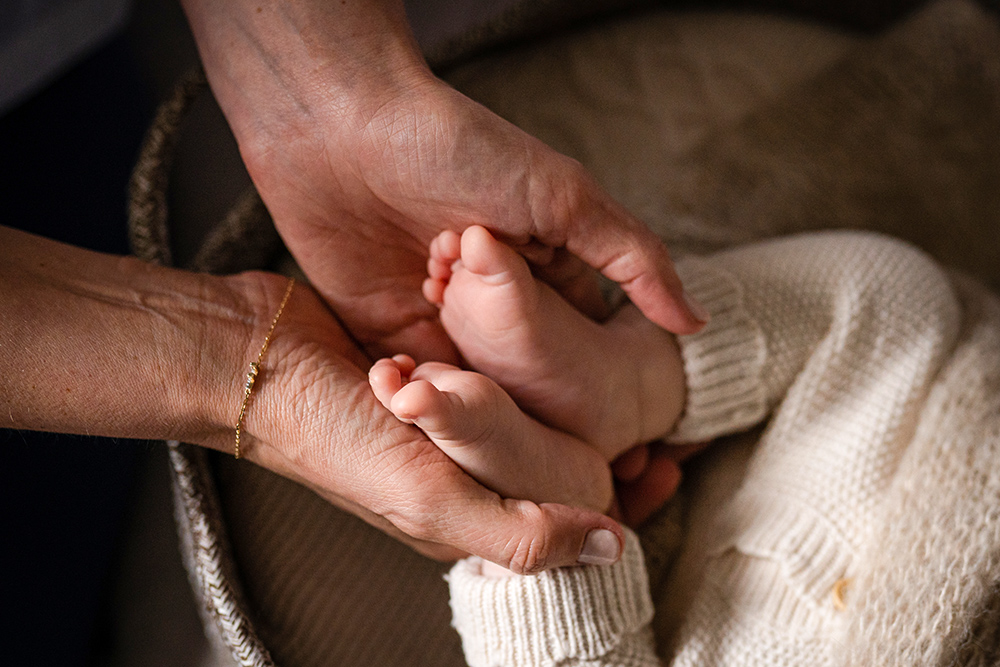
pixel 530 553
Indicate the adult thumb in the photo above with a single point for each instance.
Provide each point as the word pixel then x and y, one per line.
pixel 608 238
pixel 520 535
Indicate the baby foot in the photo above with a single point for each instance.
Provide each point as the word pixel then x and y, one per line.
pixel 479 426
pixel 613 385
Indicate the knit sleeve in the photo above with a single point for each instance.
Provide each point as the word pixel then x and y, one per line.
pixel 581 616
pixel 774 303
pixel 844 334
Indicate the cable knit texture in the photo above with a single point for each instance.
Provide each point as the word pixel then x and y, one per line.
pixel 878 379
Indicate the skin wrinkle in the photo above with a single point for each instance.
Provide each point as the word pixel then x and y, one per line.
pixel 126 301
pixel 262 127
pixel 421 511
pixel 540 190
pixel 316 176
pixel 404 126
pixel 531 557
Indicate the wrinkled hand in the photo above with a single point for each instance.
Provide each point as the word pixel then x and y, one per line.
pixel 315 419
pixel 358 211
pixel 363 156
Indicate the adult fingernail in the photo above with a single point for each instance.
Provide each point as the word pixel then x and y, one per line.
pixel 600 547
pixel 699 311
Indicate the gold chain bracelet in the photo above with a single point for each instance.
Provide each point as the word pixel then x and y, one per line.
pixel 255 367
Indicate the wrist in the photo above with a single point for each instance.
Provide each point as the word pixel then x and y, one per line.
pixel 310 365
pixel 113 346
pixel 209 361
pixel 256 298
pixel 295 71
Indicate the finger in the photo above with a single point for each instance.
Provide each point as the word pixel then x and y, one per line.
pixel 605 236
pixel 639 262
pixel 641 497
pixel 519 535
pixel 679 453
pixel 631 464
pixel 434 550
pixel 575 281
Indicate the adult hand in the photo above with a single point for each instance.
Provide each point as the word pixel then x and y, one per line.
pixel 111 346
pixel 316 420
pixel 362 157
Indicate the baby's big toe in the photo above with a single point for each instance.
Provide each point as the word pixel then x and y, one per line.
pixel 485 256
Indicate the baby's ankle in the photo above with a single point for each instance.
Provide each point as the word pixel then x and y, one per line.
pixel 651 385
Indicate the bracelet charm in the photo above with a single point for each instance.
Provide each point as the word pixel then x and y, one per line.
pixel 255 368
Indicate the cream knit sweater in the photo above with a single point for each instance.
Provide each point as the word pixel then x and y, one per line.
pixel 878 377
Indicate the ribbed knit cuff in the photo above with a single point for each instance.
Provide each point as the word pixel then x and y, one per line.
pixel 723 362
pixel 577 613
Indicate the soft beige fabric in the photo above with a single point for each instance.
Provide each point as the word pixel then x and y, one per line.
pixel 852 340
pixel 327 588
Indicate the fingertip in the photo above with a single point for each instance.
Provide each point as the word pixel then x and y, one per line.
pixel 630 464
pixel 696 308
pixel 667 304
pixel 601 547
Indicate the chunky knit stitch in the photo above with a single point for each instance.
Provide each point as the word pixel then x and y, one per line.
pixel 838 341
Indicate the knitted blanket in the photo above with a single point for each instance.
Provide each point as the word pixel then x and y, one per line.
pixel 716 129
